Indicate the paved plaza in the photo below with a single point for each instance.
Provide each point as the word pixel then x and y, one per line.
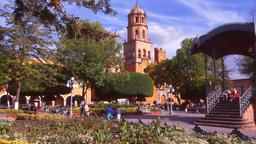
pixel 186 120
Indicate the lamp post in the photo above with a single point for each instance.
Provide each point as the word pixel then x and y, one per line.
pixel 170 104
pixel 71 84
pixel 7 93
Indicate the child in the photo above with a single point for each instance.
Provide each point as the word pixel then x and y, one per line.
pixel 186 107
pixel 118 113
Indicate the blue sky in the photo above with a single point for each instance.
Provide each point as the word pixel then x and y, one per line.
pixel 170 21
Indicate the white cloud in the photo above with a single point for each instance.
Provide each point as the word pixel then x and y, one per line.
pixel 166 37
pixel 212 12
pixel 108 19
pixel 164 17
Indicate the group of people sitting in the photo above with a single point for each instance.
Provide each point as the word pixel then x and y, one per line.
pixel 229 96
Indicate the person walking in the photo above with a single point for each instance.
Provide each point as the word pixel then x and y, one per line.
pixel 87 110
pixel 109 112
pixel 82 108
pixel 118 113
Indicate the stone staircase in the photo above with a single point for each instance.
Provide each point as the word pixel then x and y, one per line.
pixel 226 114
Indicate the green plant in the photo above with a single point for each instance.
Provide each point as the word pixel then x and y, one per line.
pixel 222 139
pixel 5 127
pixel 102 136
pixel 124 129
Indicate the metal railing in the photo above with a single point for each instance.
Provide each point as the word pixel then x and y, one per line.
pixel 244 100
pixel 213 98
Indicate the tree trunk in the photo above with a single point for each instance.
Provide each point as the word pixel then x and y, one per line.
pixel 84 91
pixel 16 103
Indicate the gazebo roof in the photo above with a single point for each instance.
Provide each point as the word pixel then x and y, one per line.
pixel 235 38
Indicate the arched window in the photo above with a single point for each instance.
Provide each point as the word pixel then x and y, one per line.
pixel 149 55
pixel 144 53
pixel 136 33
pixel 136 19
pixel 142 19
pixel 144 33
pixel 139 54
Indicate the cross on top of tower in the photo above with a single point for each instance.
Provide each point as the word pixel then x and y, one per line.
pixel 137 9
pixel 136 3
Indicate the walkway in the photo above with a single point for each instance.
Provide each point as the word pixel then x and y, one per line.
pixel 186 120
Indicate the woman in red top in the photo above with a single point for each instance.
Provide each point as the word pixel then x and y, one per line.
pixel 234 95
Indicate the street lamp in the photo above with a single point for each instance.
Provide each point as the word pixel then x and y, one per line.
pixel 71 84
pixel 7 93
pixel 170 104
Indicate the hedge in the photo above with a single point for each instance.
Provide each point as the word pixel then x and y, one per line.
pixel 39 116
pixel 12 111
pixel 127 84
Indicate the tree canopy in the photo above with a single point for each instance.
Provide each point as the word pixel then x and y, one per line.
pixel 27 43
pixel 88 58
pixel 245 65
pixel 53 13
pixel 24 44
pixel 126 85
pixel 186 72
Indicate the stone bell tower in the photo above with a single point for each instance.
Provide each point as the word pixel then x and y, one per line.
pixel 138 48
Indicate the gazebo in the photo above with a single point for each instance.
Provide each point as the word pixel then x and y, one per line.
pixel 229 39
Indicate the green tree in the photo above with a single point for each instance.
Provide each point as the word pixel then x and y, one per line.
pixel 186 72
pixel 159 73
pixel 126 85
pixel 25 44
pixel 53 13
pixel 88 58
pixel 245 65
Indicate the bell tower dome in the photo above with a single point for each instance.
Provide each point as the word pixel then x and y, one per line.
pixel 138 48
pixel 137 25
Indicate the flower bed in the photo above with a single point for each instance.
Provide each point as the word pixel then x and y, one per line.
pixel 10 113
pixel 94 130
pixel 2 141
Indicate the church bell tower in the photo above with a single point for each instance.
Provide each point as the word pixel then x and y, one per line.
pixel 138 48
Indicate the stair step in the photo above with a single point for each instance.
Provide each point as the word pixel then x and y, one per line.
pixel 223 109
pixel 225 119
pixel 227 104
pixel 218 105
pixel 226 125
pixel 225 112
pixel 226 108
pixel 226 122
pixel 223 116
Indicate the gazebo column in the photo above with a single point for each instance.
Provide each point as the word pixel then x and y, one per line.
pixel 254 65
pixel 214 70
pixel 223 74
pixel 205 67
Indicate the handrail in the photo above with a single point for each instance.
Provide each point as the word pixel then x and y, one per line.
pixel 244 100
pixel 213 98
